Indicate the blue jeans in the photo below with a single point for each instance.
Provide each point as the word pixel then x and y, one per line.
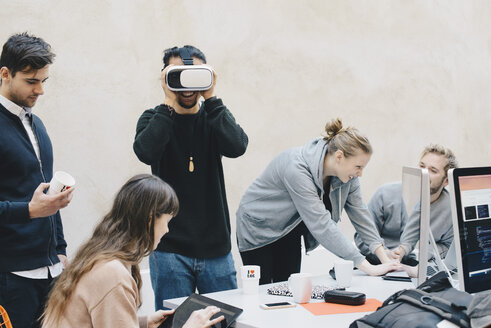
pixel 174 275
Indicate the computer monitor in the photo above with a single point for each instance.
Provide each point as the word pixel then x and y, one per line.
pixel 416 198
pixel 470 191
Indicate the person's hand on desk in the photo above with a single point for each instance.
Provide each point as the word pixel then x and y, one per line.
pixel 383 254
pixel 389 254
pixel 201 318
pixel 393 254
pixel 412 271
pixel 398 253
pixel 379 270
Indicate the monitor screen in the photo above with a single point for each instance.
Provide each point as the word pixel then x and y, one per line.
pixel 471 196
pixel 416 200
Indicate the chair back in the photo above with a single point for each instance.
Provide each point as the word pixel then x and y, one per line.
pixel 4 319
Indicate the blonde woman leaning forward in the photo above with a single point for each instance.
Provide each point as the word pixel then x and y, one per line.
pixel 302 192
pixel 101 286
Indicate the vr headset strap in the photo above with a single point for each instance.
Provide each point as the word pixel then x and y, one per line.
pixel 185 56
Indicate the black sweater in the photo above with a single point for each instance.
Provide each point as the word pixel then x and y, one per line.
pixel 25 244
pixel 165 140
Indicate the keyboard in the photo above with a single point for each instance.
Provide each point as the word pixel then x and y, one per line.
pixel 431 271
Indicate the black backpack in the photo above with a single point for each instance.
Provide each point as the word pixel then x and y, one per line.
pixel 425 306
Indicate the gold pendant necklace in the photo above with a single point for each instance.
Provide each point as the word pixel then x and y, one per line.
pixel 191 146
pixel 191 164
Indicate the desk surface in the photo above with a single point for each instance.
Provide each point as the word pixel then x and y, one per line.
pixel 254 317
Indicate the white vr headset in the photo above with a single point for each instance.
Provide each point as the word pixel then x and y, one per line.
pixel 189 78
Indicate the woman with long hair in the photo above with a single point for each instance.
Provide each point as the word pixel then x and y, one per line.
pixel 303 192
pixel 101 286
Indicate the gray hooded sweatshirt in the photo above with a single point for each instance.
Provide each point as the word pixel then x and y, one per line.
pixel 290 190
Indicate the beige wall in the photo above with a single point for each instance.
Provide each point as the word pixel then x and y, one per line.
pixel 406 73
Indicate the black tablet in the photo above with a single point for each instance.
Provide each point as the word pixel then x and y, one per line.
pixel 197 302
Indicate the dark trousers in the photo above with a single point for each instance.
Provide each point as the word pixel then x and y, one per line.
pixel 280 259
pixel 23 298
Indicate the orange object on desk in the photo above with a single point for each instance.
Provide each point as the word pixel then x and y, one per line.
pixel 323 308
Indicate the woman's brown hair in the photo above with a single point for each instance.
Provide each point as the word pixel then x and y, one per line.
pixel 348 140
pixel 126 233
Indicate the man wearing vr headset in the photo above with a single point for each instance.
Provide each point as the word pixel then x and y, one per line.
pixel 183 141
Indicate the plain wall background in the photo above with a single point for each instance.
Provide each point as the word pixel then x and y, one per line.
pixel 405 73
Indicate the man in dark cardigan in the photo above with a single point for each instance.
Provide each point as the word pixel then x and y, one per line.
pixel 32 245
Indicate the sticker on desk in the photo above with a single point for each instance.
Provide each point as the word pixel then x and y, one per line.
pixel 323 308
pixel 282 289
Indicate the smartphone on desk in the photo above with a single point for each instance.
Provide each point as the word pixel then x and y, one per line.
pixel 278 305
pixel 397 276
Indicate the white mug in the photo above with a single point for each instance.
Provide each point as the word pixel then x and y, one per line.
pixel 344 272
pixel 249 275
pixel 300 285
pixel 61 181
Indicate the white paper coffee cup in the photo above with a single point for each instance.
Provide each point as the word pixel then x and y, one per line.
pixel 344 272
pixel 61 181
pixel 300 285
pixel 249 275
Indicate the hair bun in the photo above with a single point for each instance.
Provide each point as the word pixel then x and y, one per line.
pixel 333 128
pixel 349 140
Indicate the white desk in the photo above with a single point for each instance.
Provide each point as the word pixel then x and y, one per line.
pixel 254 317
